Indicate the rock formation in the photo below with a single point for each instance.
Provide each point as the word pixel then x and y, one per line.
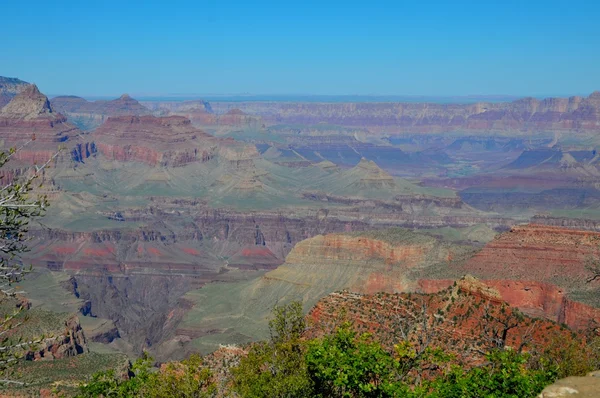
pixel 59 335
pixel 27 105
pixel 527 114
pixel 156 141
pixel 538 253
pixel 90 114
pixel 580 387
pixel 68 343
pixel 238 118
pixel 372 175
pixel 9 87
pixel 466 319
pixel 29 116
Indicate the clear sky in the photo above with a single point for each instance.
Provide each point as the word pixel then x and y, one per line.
pixel 435 48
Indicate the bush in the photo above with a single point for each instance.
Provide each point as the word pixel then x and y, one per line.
pixel 505 376
pixel 276 368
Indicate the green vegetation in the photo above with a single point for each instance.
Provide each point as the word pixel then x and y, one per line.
pixel 505 375
pixel 63 375
pixel 175 379
pixel 347 364
pixel 283 358
pixel 17 208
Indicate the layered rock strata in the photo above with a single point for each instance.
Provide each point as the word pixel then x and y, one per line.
pixel 527 114
pixel 90 114
pixel 29 118
pixel 9 87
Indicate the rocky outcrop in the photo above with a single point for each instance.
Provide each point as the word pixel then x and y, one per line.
pixel 28 104
pixel 403 252
pixel 29 117
pixel 536 299
pixel 580 387
pixel 69 343
pixel 461 319
pixel 528 114
pixel 9 87
pixel 54 335
pixel 90 114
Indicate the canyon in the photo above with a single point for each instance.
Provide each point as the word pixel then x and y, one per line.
pixel 176 226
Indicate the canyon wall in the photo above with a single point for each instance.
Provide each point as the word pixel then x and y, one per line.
pixel 528 114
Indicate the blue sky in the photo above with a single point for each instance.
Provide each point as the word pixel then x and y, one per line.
pixel 432 48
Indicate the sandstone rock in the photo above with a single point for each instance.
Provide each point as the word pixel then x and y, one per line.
pixel 9 87
pixel 70 342
pixel 537 252
pixel 28 104
pixel 584 387
pixel 29 116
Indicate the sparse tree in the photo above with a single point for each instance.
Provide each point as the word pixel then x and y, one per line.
pixel 497 322
pixel 593 266
pixel 18 206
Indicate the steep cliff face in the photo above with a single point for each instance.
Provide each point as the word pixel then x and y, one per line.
pixel 142 307
pixel 567 222
pixel 536 299
pixel 178 231
pixel 528 114
pixel 368 262
pixel 28 117
pixel 538 252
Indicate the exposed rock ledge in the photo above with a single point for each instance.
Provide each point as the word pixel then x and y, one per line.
pixel 580 387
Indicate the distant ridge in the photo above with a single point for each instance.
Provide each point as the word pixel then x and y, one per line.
pixel 88 115
pixel 396 117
